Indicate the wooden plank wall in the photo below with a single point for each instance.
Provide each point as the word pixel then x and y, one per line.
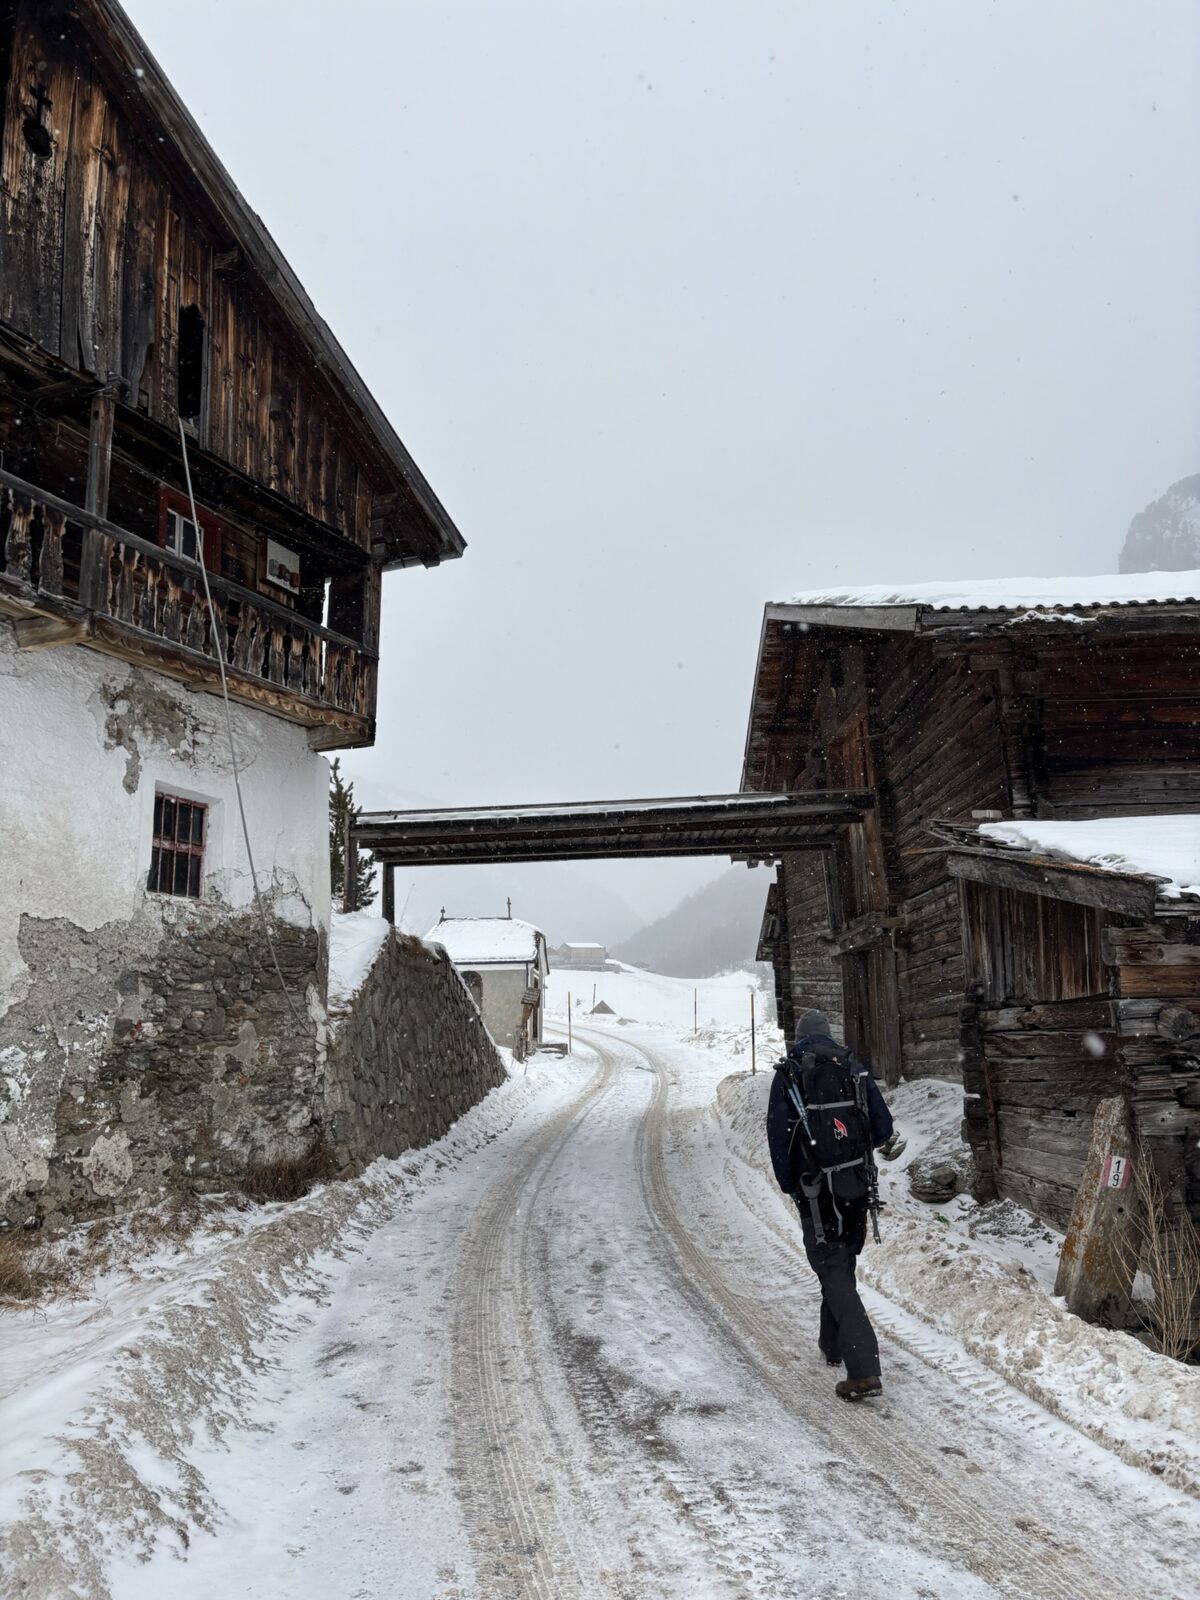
pixel 942 758
pixel 100 247
pixel 1157 970
pixel 1120 726
pixel 814 970
pixel 1039 1043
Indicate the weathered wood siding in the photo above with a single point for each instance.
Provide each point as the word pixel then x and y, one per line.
pixel 1118 727
pixel 101 246
pixel 1157 974
pixel 942 758
pixel 1039 1041
pixel 813 970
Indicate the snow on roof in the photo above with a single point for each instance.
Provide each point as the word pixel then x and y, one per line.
pixel 481 941
pixel 569 946
pixel 355 939
pixel 1016 594
pixel 1157 847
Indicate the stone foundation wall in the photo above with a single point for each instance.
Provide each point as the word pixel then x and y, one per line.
pixel 409 1056
pixel 153 1058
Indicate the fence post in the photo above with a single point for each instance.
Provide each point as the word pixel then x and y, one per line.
pixel 570 1035
pixel 753 1066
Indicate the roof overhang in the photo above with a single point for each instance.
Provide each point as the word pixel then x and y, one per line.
pixel 416 529
pixel 1054 879
pixel 745 827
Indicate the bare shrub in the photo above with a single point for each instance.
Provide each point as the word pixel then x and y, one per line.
pixel 1168 1252
pixel 289 1177
pixel 25 1268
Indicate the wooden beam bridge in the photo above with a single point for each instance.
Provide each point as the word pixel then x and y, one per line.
pixel 746 827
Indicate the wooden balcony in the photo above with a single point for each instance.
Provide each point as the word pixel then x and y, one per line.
pixel 68 577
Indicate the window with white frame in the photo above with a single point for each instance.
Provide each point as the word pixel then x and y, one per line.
pixel 181 535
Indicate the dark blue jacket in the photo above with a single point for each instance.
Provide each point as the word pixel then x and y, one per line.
pixel 781 1115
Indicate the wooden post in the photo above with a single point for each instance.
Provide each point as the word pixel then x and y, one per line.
pixel 99 462
pixel 695 1012
pixel 350 868
pixel 389 892
pixel 570 1036
pixel 1096 1267
pixel 753 1063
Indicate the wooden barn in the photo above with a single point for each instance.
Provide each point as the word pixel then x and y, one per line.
pixel 1001 699
pixel 1081 943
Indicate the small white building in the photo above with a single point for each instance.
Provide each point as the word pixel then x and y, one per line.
pixel 504 964
pixel 586 956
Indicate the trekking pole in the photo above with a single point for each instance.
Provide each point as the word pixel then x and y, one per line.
pixel 752 1058
pixel 797 1100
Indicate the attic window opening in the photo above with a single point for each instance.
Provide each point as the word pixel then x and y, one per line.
pixel 177 852
pixel 190 363
pixel 37 135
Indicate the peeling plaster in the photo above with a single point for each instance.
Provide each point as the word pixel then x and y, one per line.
pixel 108 1166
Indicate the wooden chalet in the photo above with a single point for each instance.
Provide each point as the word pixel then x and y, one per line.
pixel 144 308
pixel 1000 699
pixel 138 288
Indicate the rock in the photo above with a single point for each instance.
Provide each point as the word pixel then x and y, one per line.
pixel 939 1176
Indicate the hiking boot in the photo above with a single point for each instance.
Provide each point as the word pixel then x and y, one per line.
pixel 859 1388
pixel 830 1361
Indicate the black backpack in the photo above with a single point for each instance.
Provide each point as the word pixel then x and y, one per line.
pixel 831 1140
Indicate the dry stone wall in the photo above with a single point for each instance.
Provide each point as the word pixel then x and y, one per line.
pixel 407 1058
pixel 156 1061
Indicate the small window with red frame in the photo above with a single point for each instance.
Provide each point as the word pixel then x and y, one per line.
pixel 177 853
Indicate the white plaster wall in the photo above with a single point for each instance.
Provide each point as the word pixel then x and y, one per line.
pixel 85 742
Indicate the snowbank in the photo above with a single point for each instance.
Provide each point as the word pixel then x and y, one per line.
pixel 1014 594
pixel 355 939
pixel 982 1276
pixel 103 1395
pixel 1163 847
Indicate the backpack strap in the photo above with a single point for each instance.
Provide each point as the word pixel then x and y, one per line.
pixel 811 1191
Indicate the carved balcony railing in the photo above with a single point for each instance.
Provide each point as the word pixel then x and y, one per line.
pixel 117 591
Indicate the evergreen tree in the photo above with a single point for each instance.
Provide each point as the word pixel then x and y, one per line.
pixel 341 806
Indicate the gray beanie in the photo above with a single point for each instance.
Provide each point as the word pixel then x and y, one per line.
pixel 813 1022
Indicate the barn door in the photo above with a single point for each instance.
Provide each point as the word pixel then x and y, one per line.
pixel 872 1009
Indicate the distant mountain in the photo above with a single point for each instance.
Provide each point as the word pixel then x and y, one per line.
pixel 1165 537
pixel 710 931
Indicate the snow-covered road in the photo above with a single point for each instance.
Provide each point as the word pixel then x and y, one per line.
pixel 582 1364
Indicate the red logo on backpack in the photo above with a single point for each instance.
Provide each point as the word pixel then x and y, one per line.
pixel 840 1130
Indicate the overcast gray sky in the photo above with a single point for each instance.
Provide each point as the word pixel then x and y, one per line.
pixel 682 307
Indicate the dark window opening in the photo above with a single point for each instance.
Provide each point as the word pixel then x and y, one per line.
pixel 37 135
pixel 191 362
pixel 177 853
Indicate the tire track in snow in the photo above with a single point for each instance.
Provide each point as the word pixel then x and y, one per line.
pixel 997 1543
pixel 507 1436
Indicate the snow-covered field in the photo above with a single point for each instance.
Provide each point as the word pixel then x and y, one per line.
pixel 648 997
pixel 569 1351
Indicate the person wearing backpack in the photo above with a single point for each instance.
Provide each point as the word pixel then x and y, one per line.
pixel 825 1118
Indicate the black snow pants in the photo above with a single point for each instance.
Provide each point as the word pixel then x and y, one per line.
pixel 846 1332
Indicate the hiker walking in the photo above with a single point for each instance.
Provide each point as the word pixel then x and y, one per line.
pixel 825 1118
